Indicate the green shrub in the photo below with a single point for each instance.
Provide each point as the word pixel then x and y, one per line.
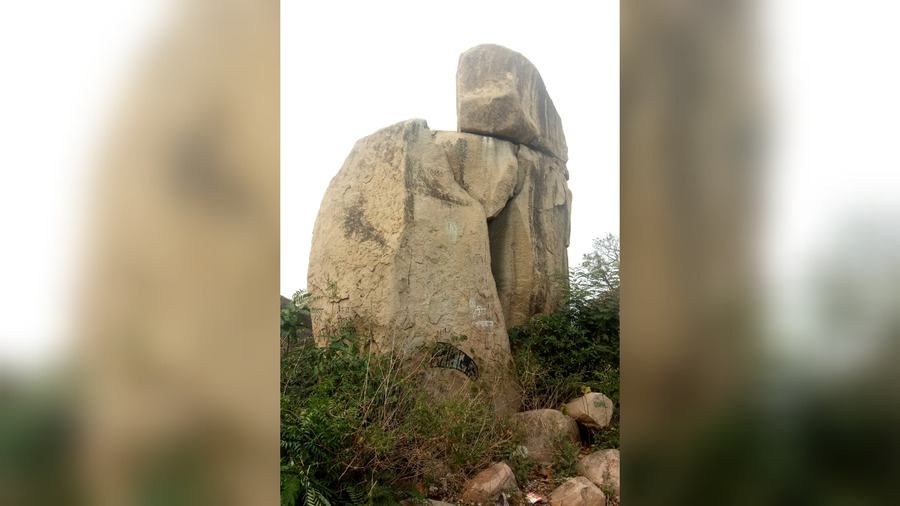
pixel 560 356
pixel 565 458
pixel 358 428
pixel 555 358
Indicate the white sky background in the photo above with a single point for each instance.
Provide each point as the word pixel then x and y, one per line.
pixel 349 70
pixel 63 67
pixel 835 90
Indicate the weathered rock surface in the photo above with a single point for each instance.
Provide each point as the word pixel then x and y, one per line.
pixel 577 492
pixel 402 248
pixel 500 93
pixel 490 483
pixel 485 167
pixel 601 468
pixel 592 410
pixel 529 239
pixel 542 429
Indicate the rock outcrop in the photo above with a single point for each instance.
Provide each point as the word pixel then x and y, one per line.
pixel 424 237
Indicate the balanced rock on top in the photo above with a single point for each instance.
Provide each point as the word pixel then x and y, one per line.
pixel 500 93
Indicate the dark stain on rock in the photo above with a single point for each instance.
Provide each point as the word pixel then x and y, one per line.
pixel 356 226
pixel 462 151
pixel 416 183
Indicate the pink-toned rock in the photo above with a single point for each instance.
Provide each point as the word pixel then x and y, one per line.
pixel 490 483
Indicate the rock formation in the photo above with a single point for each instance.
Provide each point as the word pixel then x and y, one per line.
pixel 424 236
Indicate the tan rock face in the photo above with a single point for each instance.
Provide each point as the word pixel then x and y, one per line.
pixel 484 167
pixel 593 410
pixel 601 468
pixel 487 485
pixel 501 94
pixel 529 239
pixel 400 246
pixel 542 428
pixel 577 492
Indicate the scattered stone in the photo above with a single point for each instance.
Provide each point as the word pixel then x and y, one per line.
pixel 601 468
pixel 542 428
pixel 500 93
pixel 577 492
pixel 489 484
pixel 593 410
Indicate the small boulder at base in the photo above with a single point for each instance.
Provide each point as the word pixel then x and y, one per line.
pixel 542 429
pixel 601 468
pixel 501 94
pixel 489 484
pixel 592 410
pixel 577 492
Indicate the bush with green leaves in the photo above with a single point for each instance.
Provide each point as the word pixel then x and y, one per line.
pixel 563 355
pixel 564 458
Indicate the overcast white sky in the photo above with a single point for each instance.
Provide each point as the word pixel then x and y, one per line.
pixel 348 70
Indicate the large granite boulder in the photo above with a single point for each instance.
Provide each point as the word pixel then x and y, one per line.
pixel 402 249
pixel 501 94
